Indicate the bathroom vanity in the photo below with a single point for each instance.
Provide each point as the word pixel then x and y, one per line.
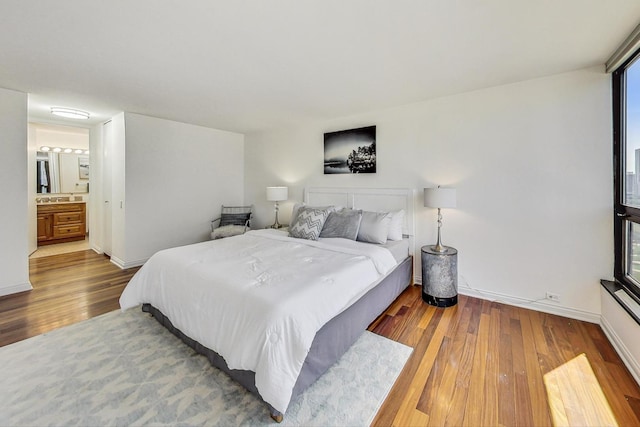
pixel 60 222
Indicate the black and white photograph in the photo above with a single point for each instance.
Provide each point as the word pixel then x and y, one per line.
pixel 350 151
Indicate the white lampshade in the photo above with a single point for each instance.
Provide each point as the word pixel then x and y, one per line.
pixel 277 194
pixel 440 197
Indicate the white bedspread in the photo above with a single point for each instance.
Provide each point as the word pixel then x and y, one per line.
pixel 258 299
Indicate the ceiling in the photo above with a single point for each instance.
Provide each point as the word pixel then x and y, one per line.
pixel 252 65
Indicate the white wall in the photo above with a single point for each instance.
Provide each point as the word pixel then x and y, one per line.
pixel 53 135
pixel 14 227
pixel 114 185
pixel 532 165
pixel 176 178
pixel 623 331
pixel 32 212
pixel 95 204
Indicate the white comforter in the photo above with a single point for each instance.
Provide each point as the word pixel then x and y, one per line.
pixel 258 299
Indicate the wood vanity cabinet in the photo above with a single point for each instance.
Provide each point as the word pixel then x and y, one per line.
pixel 61 222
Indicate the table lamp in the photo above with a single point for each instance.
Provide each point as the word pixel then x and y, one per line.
pixel 439 198
pixel 277 194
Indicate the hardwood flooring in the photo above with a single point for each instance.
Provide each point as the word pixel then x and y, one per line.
pixel 67 288
pixel 478 363
pixel 574 385
pixel 482 363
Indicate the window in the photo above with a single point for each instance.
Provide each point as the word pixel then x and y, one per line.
pixel 626 144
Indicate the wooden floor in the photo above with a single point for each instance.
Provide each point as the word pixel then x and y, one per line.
pixel 478 363
pixel 67 288
pixel 482 363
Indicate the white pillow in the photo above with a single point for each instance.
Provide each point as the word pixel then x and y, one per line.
pixel 374 227
pixel 395 226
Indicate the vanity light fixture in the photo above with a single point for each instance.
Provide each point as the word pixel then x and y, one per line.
pixel 70 113
pixel 46 148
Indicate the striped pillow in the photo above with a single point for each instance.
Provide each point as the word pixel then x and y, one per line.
pixel 234 218
pixel 308 223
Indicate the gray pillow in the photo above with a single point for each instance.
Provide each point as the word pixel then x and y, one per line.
pixel 308 223
pixel 344 223
pixel 374 227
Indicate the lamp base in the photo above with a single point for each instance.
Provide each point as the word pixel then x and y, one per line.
pixel 439 248
pixel 276 224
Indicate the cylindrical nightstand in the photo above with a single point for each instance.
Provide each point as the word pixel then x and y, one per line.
pixel 440 276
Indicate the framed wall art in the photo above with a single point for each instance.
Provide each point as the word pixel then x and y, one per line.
pixel 83 167
pixel 350 151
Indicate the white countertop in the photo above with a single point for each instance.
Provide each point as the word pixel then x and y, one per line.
pixel 65 202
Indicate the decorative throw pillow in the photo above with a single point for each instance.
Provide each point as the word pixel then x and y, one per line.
pixel 308 223
pixel 344 223
pixel 234 218
pixel 395 225
pixel 374 227
pixel 297 206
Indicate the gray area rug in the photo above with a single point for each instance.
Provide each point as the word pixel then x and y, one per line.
pixel 126 369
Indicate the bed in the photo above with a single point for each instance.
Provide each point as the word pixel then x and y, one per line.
pixel 278 316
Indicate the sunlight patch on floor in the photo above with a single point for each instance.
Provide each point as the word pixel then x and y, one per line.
pixel 575 396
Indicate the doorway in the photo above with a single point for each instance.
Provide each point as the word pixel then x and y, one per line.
pixel 60 188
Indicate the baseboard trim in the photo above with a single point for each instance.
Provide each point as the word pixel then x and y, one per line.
pixel 533 305
pixel 124 265
pixel 627 358
pixel 14 289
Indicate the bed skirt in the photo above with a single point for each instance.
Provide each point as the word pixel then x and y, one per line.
pixel 330 342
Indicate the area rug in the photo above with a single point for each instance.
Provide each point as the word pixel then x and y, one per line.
pixel 126 369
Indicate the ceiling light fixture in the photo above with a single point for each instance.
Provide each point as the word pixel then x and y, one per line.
pixel 69 113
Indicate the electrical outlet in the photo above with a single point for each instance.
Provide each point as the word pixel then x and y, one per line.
pixel 552 297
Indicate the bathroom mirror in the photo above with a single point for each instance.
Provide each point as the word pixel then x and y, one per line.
pixel 62 173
